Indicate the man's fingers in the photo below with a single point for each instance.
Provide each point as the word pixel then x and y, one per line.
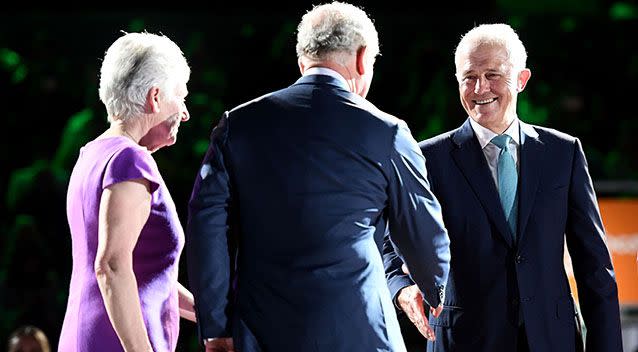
pixel 411 301
pixel 436 311
pixel 228 343
pixel 420 320
pixel 425 329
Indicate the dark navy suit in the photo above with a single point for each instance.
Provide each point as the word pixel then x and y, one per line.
pixel 497 284
pixel 301 184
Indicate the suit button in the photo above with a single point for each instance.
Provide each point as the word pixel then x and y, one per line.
pixel 515 302
pixel 519 259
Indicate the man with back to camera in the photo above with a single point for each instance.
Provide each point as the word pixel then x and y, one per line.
pixel 306 201
pixel 511 195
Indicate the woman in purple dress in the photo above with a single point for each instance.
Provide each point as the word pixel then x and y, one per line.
pixel 127 238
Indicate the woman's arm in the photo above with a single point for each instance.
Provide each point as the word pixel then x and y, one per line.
pixel 124 209
pixel 186 303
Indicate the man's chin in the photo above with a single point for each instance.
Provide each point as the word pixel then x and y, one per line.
pixel 485 117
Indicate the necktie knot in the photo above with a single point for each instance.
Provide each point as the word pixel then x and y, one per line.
pixel 501 141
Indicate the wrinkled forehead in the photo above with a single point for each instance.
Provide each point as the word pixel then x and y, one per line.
pixel 483 57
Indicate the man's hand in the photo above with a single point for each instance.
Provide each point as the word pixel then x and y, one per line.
pixel 435 311
pixel 220 344
pixel 410 300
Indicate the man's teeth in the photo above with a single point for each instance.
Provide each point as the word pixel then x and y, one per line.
pixel 483 102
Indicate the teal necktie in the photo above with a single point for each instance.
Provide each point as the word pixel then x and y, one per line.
pixel 507 181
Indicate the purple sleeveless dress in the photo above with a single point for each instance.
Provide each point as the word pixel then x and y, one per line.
pixel 86 327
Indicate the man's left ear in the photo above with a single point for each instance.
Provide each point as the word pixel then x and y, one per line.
pixel 523 77
pixel 153 100
pixel 302 65
pixel 361 61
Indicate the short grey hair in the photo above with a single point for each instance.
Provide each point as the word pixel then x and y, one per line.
pixel 134 64
pixel 499 35
pixel 335 28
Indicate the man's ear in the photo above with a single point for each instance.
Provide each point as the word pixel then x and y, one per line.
pixel 153 100
pixel 361 57
pixel 302 67
pixel 523 77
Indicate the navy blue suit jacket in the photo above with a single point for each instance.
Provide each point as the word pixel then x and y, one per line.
pixel 287 218
pixel 491 276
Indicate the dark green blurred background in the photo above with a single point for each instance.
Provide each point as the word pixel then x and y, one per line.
pixel 583 55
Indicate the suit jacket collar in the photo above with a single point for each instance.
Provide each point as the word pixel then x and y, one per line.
pixel 465 132
pixel 321 79
pixel 470 159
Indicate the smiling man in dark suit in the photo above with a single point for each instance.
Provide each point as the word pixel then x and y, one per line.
pixel 511 195
pixel 305 181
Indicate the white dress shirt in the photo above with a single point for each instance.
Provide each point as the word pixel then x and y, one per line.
pixel 491 151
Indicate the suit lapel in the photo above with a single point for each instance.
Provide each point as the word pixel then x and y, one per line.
pixel 531 153
pixel 470 159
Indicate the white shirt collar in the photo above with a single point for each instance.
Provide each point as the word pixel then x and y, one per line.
pixel 328 72
pixel 485 135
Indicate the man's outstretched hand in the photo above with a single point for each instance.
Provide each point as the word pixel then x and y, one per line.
pixel 410 300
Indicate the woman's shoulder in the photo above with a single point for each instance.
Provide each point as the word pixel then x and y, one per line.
pixel 108 148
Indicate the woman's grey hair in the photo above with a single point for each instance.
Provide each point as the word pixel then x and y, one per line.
pixel 134 64
pixel 498 34
pixel 336 28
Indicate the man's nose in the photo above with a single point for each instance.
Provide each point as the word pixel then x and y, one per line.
pixel 185 115
pixel 482 85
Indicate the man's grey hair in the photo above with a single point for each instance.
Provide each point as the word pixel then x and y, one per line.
pixel 134 64
pixel 499 35
pixel 329 30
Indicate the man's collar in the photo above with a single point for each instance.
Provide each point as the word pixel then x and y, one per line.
pixel 328 72
pixel 485 135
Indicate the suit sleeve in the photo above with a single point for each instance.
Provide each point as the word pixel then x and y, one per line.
pixel 207 242
pixel 392 264
pixel 593 270
pixel 417 235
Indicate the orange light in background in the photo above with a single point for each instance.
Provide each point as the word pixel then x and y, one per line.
pixel 620 218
